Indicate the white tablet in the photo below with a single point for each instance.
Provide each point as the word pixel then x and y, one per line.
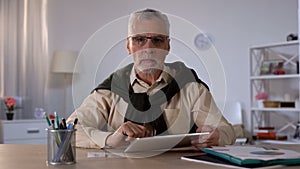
pixel 165 142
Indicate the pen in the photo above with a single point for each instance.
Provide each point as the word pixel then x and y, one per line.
pixel 72 126
pixel 57 120
pixel 47 118
pixel 64 147
pixel 69 126
pixel 57 139
pixel 75 122
pixel 64 123
pixel 53 124
pixel 61 126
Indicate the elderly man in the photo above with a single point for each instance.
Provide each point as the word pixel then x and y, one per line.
pixel 150 97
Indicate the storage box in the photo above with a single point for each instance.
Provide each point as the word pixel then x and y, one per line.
pixel 287 104
pixel 270 104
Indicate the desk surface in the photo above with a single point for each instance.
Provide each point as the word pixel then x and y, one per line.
pixel 34 156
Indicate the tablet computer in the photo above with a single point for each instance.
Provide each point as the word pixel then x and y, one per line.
pixel 164 142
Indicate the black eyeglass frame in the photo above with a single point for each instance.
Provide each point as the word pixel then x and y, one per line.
pixel 157 40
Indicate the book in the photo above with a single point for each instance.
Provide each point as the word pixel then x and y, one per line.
pixel 270 138
pixel 265 132
pixel 209 159
pixel 252 156
pixel 220 162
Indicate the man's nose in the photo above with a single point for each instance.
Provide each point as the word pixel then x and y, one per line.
pixel 149 44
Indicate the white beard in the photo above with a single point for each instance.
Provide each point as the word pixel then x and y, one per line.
pixel 149 66
pixel 147 61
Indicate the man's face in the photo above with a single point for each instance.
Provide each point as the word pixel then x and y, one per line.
pixel 148 45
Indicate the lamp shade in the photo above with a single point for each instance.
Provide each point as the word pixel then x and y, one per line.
pixel 64 61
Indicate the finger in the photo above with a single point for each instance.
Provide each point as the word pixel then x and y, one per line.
pixel 130 139
pixel 135 130
pixel 205 128
pixel 206 144
pixel 130 130
pixel 200 139
pixel 116 139
pixel 142 131
pixel 149 132
pixel 206 140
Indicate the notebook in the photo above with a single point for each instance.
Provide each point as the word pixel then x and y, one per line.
pixel 211 160
pixel 165 142
pixel 252 156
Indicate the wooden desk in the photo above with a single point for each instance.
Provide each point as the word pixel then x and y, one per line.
pixel 34 156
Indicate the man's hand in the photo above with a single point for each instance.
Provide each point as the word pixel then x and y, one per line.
pixel 209 140
pixel 127 131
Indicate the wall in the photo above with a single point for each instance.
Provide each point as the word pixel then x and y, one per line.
pixel 235 25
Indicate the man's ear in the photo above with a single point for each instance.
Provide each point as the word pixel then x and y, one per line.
pixel 127 47
pixel 168 48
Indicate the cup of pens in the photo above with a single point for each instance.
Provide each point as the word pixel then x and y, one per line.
pixel 61 144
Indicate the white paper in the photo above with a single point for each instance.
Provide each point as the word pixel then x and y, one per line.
pixel 105 155
pixel 252 152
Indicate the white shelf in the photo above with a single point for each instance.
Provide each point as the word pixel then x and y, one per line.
pixel 278 44
pixel 280 142
pixel 276 86
pixel 276 109
pixel 275 76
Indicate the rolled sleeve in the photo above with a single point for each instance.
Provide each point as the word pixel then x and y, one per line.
pixel 206 112
pixel 92 120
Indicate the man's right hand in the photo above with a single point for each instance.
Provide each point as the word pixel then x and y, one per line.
pixel 127 131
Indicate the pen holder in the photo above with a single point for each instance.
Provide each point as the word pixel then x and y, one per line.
pixel 61 146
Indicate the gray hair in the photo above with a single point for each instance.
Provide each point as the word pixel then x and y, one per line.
pixel 148 14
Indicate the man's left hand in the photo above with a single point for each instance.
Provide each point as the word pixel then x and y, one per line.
pixel 208 140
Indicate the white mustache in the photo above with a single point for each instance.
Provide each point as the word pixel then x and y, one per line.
pixel 147 59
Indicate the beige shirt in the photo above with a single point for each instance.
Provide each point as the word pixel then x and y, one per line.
pixel 102 112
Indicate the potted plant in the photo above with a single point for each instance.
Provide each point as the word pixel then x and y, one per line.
pixel 10 104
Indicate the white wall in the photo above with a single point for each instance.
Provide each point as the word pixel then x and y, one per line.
pixel 234 24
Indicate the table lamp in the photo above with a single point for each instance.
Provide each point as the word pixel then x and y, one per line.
pixel 63 62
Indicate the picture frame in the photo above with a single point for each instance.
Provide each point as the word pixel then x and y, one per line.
pixel 272 67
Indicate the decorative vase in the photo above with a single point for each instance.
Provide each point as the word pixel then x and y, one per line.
pixel 10 115
pixel 260 103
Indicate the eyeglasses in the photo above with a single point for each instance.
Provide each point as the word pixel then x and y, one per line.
pixel 141 40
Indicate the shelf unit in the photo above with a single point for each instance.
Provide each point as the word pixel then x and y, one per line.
pixel 265 77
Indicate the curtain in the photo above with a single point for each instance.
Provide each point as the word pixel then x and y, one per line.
pixel 24 51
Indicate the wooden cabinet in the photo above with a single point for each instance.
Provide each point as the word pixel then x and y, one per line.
pixel 23 132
